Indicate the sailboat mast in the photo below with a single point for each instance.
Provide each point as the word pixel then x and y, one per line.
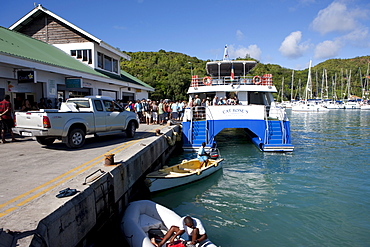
pixel 282 90
pixel 326 84
pixel 362 86
pixel 335 87
pixel 367 82
pixel 349 85
pixel 317 85
pixel 322 84
pixel 291 87
pixel 309 83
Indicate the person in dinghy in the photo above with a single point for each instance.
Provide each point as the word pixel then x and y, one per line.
pixel 194 229
pixel 202 155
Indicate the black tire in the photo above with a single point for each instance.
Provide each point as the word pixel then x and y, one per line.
pixel 131 129
pixel 47 141
pixel 76 138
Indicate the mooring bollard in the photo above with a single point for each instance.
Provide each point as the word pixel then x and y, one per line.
pixel 109 159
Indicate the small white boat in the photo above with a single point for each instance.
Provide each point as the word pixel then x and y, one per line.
pixel 365 107
pixel 352 104
pixel 186 172
pixel 143 219
pixel 307 106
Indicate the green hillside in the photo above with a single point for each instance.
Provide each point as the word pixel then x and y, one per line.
pixel 170 74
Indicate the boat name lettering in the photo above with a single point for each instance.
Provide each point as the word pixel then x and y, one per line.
pixel 235 111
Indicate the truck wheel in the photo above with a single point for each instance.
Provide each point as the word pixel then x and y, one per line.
pixel 131 129
pixel 45 141
pixel 76 138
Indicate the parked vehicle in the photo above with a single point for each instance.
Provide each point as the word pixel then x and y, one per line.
pixel 77 118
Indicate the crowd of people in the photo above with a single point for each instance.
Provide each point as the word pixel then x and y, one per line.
pixel 34 106
pixel 159 112
pixel 156 112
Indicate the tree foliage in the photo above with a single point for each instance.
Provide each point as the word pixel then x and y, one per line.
pixel 170 74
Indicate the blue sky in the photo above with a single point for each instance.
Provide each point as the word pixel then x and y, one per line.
pixel 284 32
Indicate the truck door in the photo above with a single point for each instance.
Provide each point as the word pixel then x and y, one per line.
pixel 100 116
pixel 114 119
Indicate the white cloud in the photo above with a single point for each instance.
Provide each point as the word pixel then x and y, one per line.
pixel 328 49
pixel 359 37
pixel 337 18
pixel 239 35
pixel 292 47
pixel 253 51
pixel 120 27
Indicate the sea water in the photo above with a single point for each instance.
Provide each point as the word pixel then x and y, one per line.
pixel 318 195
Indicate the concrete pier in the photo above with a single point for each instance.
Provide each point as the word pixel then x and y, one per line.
pixel 41 219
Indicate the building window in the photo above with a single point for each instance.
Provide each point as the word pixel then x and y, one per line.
pixel 107 63
pixel 100 60
pixel 115 65
pixel 84 55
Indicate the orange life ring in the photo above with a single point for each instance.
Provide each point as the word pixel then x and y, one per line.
pixel 207 80
pixel 259 79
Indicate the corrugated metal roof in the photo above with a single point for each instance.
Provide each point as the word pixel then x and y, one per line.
pixel 19 45
pixel 25 47
pixel 124 77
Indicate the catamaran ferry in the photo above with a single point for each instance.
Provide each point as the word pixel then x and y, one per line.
pixel 234 100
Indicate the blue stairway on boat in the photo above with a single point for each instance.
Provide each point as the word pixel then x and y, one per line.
pixel 199 133
pixel 275 138
pixel 275 135
pixel 271 138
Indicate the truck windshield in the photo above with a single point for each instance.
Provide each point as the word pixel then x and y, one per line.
pixel 80 103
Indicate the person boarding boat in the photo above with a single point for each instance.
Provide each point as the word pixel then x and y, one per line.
pixel 202 155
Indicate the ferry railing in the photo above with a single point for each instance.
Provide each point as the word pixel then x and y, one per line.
pixel 282 116
pixel 267 130
pixel 190 131
pixel 209 116
pixel 197 113
pixel 229 80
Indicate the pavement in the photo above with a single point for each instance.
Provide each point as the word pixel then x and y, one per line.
pixel 33 175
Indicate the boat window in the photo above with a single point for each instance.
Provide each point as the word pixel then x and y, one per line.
pixel 256 98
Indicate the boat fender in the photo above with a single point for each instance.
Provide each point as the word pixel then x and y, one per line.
pixel 170 141
pixel 178 136
pixel 175 136
pixel 207 80
pixel 199 172
pixel 215 164
pixel 184 161
pixel 148 182
pixel 257 80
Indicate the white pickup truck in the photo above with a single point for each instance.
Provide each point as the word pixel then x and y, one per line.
pixel 77 118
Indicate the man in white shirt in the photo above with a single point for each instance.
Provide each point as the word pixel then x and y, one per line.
pixel 192 226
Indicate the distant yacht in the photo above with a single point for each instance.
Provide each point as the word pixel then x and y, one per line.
pixel 309 104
